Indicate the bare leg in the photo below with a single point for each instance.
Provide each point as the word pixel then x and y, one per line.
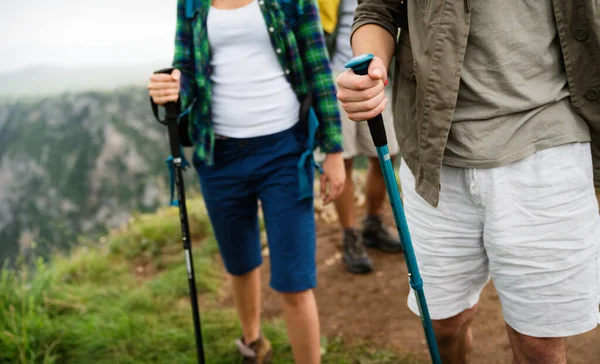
pixel 302 319
pixel 376 191
pixel 246 295
pixel 344 205
pixel 454 336
pixel 534 350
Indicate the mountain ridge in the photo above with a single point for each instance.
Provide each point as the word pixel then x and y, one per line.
pixel 50 80
pixel 78 163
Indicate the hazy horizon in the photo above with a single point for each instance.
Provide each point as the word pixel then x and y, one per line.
pixel 65 33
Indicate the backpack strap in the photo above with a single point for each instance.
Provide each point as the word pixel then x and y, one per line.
pixel 190 8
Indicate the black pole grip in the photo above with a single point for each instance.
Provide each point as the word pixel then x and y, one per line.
pixel 172 109
pixel 171 116
pixel 360 66
pixel 377 129
pixel 174 145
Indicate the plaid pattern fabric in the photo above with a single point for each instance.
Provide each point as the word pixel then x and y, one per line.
pixel 297 38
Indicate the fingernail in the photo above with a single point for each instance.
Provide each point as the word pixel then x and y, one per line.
pixel 377 72
pixel 386 82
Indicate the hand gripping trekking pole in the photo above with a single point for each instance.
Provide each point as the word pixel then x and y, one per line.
pixel 171 116
pixel 360 66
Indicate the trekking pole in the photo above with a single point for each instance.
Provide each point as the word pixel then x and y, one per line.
pixel 360 66
pixel 171 119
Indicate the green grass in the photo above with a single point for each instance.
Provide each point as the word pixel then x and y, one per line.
pixel 125 300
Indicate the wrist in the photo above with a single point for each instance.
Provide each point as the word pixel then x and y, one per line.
pixel 334 155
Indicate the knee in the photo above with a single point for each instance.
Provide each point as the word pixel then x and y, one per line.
pixel 550 350
pixel 451 329
pixel 296 299
pixel 529 349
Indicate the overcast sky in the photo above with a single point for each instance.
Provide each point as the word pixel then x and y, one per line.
pixel 85 32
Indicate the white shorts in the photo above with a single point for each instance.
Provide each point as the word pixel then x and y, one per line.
pixel 532 225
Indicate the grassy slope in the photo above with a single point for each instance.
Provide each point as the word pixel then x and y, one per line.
pixel 126 302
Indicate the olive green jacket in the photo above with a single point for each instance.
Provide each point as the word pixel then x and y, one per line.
pixel 429 58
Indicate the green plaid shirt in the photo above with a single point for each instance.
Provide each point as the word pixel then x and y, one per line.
pixel 297 38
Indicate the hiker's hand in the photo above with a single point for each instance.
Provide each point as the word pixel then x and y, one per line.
pixel 164 88
pixel 333 177
pixel 362 97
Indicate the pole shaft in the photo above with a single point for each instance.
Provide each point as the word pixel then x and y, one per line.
pixel 187 246
pixel 416 283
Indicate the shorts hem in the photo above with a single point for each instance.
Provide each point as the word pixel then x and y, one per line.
pixel 549 331
pixel 242 271
pixel 445 313
pixel 299 284
pixel 366 155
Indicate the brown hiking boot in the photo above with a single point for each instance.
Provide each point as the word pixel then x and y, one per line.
pixel 257 352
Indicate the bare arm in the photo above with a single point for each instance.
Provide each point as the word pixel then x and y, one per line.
pixel 374 31
pixel 374 39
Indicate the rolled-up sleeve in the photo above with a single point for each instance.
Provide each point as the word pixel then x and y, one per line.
pixel 184 56
pixel 311 45
pixel 385 13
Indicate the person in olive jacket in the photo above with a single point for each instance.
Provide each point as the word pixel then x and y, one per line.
pixel 497 114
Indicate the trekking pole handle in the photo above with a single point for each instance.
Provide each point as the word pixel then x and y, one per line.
pixel 360 66
pixel 171 116
pixel 171 108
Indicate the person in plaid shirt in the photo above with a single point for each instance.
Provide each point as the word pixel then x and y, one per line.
pixel 243 68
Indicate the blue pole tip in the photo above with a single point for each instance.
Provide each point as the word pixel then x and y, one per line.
pixel 360 62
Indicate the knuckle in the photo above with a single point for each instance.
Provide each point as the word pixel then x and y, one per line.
pixel 361 83
pixel 382 106
pixel 372 104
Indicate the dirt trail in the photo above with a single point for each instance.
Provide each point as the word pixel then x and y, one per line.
pixel 373 307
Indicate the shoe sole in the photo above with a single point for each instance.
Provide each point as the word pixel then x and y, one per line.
pixel 358 269
pixel 268 357
pixel 384 248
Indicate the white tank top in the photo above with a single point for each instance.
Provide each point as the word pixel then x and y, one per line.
pixel 250 95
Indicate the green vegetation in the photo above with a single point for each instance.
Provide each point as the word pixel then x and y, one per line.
pixel 124 299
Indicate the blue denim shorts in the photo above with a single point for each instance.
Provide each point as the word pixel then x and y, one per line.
pixel 262 169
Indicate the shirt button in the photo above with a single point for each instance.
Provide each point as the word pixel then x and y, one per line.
pixel 287 71
pixel 592 94
pixel 278 50
pixel 581 34
pixel 271 29
pixel 261 3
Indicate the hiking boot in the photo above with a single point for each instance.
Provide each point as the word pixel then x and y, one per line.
pixel 355 256
pixel 376 235
pixel 257 352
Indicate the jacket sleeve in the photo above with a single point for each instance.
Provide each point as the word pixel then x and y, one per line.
pixel 184 56
pixel 311 45
pixel 388 14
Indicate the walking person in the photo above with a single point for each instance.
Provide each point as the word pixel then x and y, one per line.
pixel 337 17
pixel 497 113
pixel 243 70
